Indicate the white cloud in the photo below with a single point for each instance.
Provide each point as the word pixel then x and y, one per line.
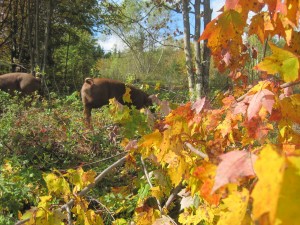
pixel 109 43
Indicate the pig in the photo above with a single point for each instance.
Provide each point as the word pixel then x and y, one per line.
pixel 22 82
pixel 96 92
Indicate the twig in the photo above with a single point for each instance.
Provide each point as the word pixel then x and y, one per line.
pixel 149 182
pixel 196 151
pixel 84 191
pixel 101 160
pixel 102 205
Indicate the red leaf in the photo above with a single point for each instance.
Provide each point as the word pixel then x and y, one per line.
pixel 234 165
pixel 198 105
pixel 263 98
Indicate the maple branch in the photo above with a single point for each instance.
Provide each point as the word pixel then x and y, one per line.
pixel 285 85
pixel 173 195
pixel 290 84
pixel 196 151
pixel 85 190
pixel 69 215
pixel 149 182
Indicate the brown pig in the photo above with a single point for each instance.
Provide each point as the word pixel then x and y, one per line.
pixel 22 82
pixel 96 92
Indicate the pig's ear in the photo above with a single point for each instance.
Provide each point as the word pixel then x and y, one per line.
pixel 89 81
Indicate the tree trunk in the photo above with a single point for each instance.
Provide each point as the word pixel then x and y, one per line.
pixel 47 35
pixel 30 34
pixel 66 64
pixel 206 52
pixel 187 47
pixel 22 35
pixel 14 32
pixel 37 25
pixel 198 77
pixel 46 44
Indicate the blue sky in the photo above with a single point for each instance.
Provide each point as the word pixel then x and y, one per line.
pixel 109 42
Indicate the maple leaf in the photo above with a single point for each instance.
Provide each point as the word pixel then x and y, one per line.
pixel 186 199
pixel 256 130
pixel 290 108
pixel 199 104
pixel 241 107
pixel 293 45
pixel 281 61
pixel 203 214
pixel 126 96
pixel 269 169
pixel 228 26
pixel 236 206
pixel 57 185
pixel 261 25
pixel 234 165
pixel 263 98
pixel 292 12
pixel 289 198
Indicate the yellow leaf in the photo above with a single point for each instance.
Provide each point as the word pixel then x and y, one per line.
pixel 289 198
pixel 236 205
pixel 91 218
pixel 150 142
pixel 44 201
pixel 157 86
pixel 147 217
pixel 120 222
pixel 75 178
pixel 281 61
pixel 260 86
pixel 57 185
pixel 290 108
pixel 269 169
pixel 88 177
pixel 156 192
pixel 126 96
pixel 7 167
pixel 177 168
pixel 56 217
pixel 203 213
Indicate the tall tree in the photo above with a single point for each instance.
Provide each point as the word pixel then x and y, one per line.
pixel 142 26
pixel 187 47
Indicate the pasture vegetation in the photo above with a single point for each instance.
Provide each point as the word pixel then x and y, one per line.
pixel 39 135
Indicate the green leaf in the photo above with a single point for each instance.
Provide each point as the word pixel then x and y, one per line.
pixel 281 61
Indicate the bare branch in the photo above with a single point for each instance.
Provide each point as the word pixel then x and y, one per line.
pixel 196 151
pixel 69 216
pixel 149 182
pixel 173 195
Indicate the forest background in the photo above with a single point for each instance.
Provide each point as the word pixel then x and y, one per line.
pixel 225 137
